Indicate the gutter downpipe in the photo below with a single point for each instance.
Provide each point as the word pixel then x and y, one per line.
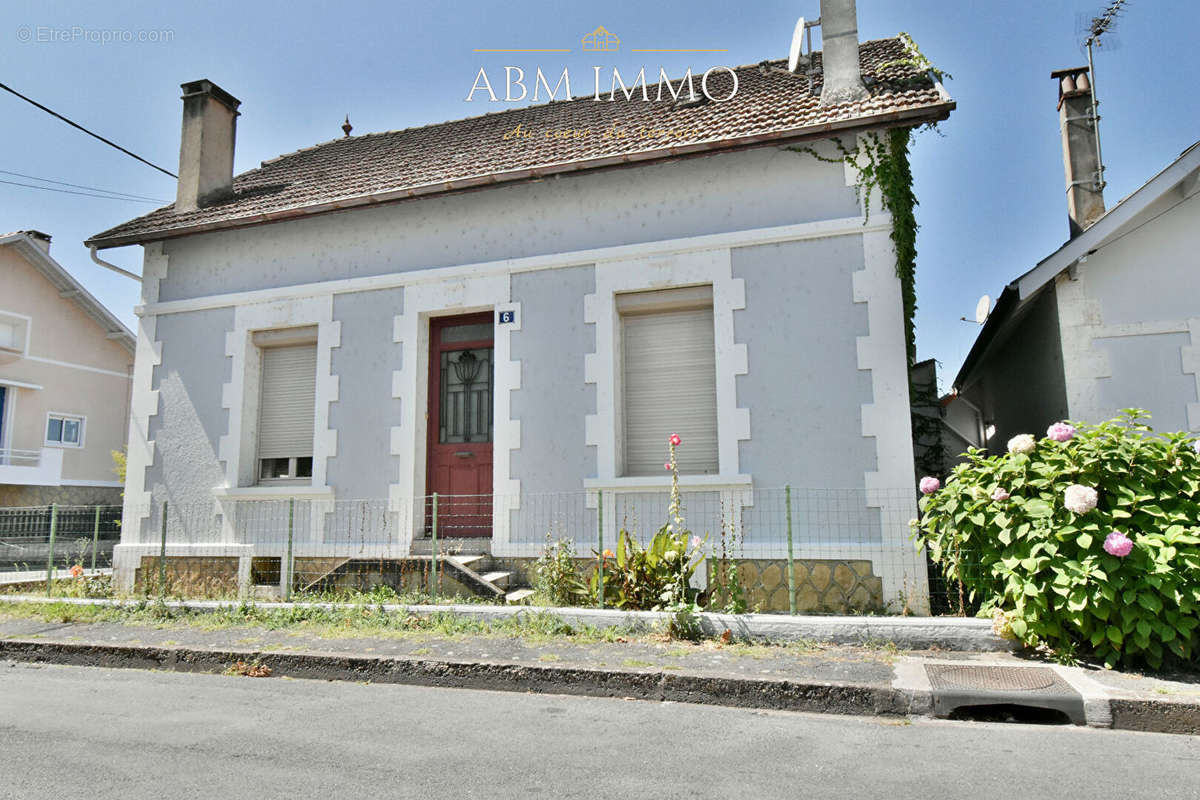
pixel 113 267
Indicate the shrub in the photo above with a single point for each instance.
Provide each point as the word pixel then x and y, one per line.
pixel 1086 540
pixel 556 578
pixel 654 577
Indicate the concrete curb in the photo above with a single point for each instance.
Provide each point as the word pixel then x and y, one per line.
pixel 829 698
pixel 963 634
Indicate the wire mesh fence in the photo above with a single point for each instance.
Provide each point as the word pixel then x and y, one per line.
pixel 826 550
pixel 34 538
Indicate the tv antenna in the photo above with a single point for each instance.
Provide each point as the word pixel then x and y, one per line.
pixel 1098 27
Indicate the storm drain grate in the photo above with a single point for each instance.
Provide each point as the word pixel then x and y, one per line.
pixel 955 686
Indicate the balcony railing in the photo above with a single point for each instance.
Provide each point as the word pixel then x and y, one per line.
pixel 20 458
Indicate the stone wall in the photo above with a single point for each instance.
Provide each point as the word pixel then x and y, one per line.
pixel 15 496
pixel 189 576
pixel 822 586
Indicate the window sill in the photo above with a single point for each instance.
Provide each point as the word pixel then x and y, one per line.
pixel 281 492
pixel 64 445
pixel 658 483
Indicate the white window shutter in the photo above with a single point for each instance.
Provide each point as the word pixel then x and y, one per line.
pixel 670 387
pixel 287 407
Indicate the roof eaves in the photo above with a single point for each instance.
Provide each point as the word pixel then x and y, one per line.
pixel 65 282
pixel 918 114
pixel 1109 223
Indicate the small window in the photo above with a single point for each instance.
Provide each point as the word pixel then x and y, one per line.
pixel 668 379
pixel 287 405
pixel 13 332
pixel 64 430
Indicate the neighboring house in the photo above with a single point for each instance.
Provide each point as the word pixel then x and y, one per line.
pixel 442 309
pixel 66 365
pixel 1110 320
pixel 943 427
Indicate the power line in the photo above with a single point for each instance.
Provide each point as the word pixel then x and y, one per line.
pixel 79 186
pixel 84 194
pixel 53 113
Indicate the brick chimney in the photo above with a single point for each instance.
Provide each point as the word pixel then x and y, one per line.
pixel 206 145
pixel 1081 159
pixel 839 54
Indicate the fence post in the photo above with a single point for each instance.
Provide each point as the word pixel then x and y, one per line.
pixel 791 558
pixel 50 549
pixel 435 580
pixel 600 542
pixel 95 537
pixel 162 555
pixel 287 587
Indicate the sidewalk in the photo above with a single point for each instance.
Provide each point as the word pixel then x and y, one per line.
pixel 798 676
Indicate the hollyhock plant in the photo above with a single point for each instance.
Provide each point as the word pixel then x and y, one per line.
pixel 929 485
pixel 1001 494
pixel 1118 544
pixel 76 571
pixel 1022 443
pixel 1061 432
pixel 1080 499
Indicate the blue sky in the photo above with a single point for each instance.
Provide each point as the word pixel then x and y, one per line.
pixel 990 186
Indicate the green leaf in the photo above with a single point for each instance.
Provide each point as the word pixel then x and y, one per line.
pixel 1084 540
pixel 1150 602
pixel 1038 508
pixel 1114 635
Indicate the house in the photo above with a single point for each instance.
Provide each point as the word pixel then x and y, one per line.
pixel 516 325
pixel 66 367
pixel 1108 321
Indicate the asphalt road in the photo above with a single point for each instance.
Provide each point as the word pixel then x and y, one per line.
pixel 97 733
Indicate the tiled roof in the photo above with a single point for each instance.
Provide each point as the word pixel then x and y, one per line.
pixel 771 105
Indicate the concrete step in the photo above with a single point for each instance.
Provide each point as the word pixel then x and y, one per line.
pixel 498 578
pixel 476 563
pixel 518 596
pixel 478 545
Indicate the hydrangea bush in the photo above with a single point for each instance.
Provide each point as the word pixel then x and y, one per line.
pixel 1087 540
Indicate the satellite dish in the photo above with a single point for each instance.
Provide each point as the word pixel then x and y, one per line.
pixel 796 56
pixel 982 309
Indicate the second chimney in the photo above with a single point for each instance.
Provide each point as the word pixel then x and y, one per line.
pixel 1081 158
pixel 839 54
pixel 206 145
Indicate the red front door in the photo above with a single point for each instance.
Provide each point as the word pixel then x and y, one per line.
pixel 460 424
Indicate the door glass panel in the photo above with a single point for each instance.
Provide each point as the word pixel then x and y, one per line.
pixel 466 401
pixel 477 332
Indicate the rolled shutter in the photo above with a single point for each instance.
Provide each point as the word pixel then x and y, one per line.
pixel 670 387
pixel 287 407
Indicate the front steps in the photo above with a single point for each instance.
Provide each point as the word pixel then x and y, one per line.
pixel 475 572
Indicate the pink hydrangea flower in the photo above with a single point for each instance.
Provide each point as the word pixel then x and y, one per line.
pixel 1118 544
pixel 1060 432
pixel 929 485
pixel 1000 494
pixel 1080 499
pixel 675 440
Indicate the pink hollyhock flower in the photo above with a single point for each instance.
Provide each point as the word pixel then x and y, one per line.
pixel 1060 432
pixel 76 571
pixel 697 542
pixel 1080 499
pixel 675 440
pixel 1000 494
pixel 667 466
pixel 930 485
pixel 1118 544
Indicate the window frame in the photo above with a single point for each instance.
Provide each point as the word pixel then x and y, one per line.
pixel 64 417
pixel 23 326
pixel 261 341
pixel 649 302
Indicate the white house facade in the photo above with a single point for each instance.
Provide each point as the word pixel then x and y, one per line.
pixel 518 328
pixel 1109 321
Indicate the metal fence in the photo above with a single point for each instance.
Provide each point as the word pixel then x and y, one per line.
pixel 43 537
pixel 803 545
pixel 822 546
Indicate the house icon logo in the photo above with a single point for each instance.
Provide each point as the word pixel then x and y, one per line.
pixel 601 41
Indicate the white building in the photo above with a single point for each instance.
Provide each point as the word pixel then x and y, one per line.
pixel 518 324
pixel 1110 320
